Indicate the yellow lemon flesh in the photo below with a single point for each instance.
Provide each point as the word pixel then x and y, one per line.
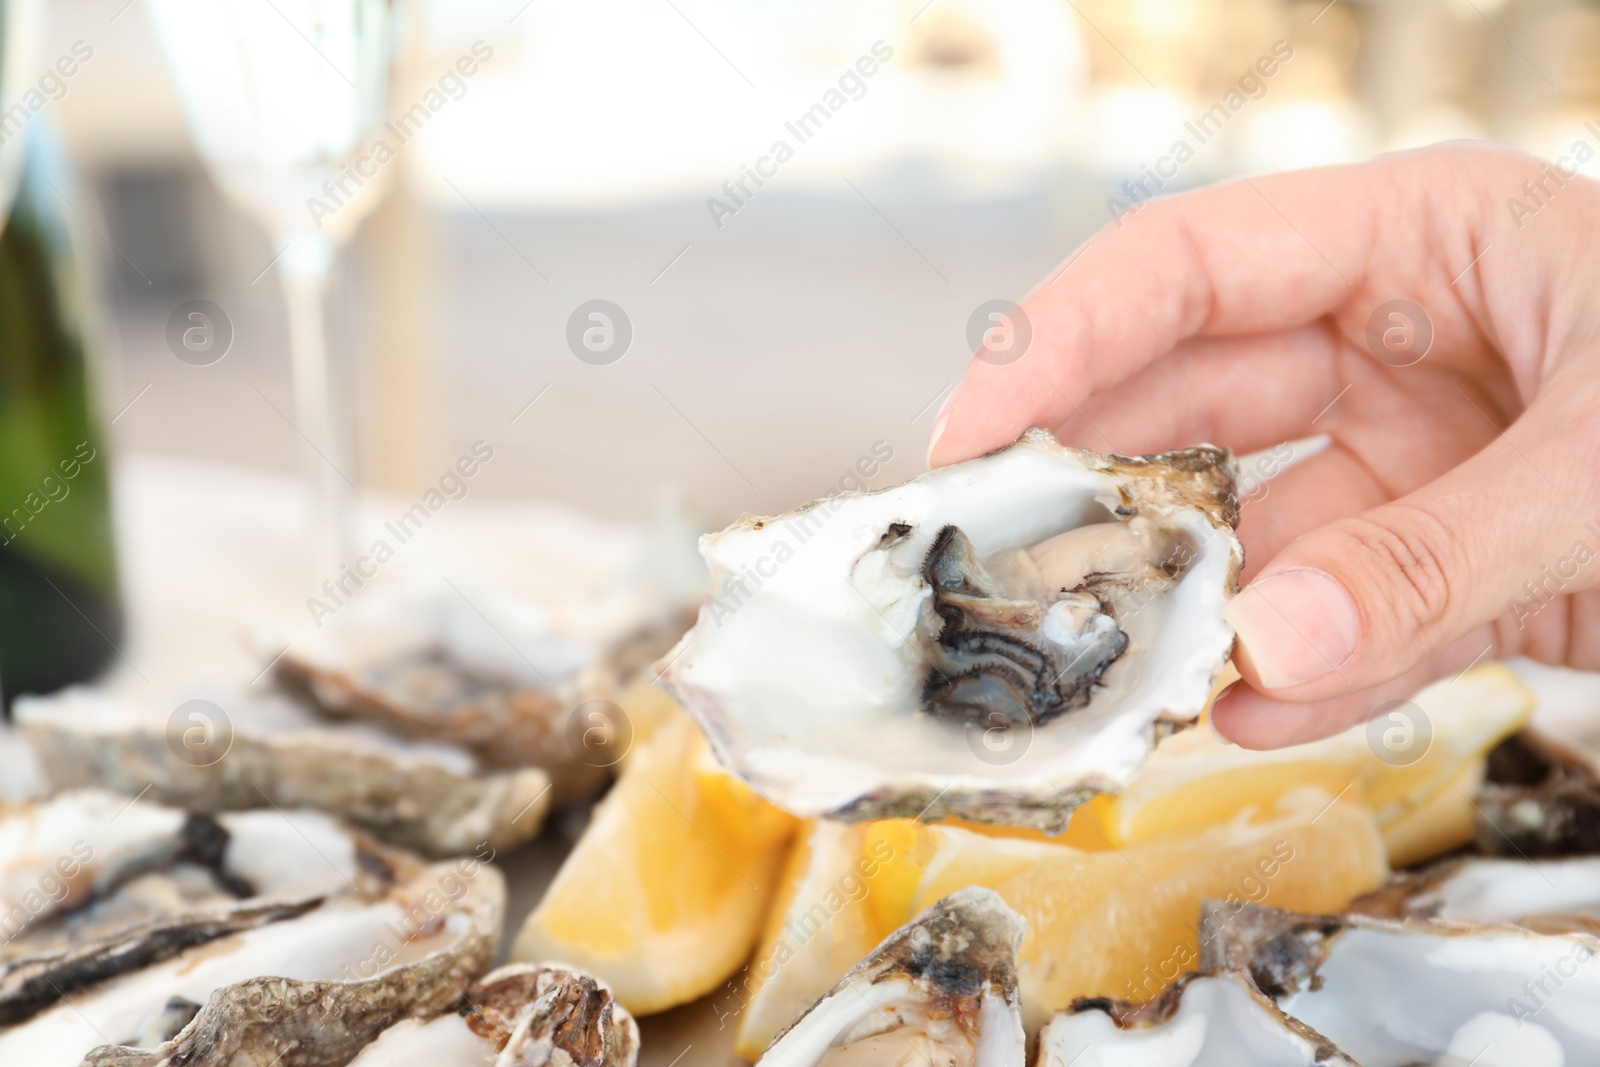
pixel 820 927
pixel 664 894
pixel 1407 758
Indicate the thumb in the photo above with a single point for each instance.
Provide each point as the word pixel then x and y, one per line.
pixel 1366 599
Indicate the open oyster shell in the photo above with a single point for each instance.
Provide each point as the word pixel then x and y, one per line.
pixel 95 886
pixel 942 989
pixel 999 640
pixel 1199 1021
pixel 1395 994
pixel 1552 896
pixel 438 799
pixel 522 1015
pixel 490 674
pixel 311 990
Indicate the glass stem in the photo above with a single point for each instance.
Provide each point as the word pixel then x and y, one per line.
pixel 322 408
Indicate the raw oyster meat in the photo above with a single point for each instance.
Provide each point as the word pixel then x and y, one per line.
pixel 311 990
pixel 1199 1021
pixel 940 990
pixel 998 640
pixel 437 799
pixel 1396 994
pixel 1547 895
pixel 521 1015
pixel 1542 798
pixel 95 885
pixel 491 674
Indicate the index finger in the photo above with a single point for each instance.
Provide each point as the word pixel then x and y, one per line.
pixel 1255 254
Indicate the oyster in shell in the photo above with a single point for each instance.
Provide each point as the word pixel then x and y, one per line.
pixel 998 640
pixel 1199 1021
pixel 311 990
pixel 523 1015
pixel 491 674
pixel 97 886
pixel 438 799
pixel 940 990
pixel 1542 798
pixel 1396 994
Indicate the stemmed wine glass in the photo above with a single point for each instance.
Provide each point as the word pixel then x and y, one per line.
pixel 286 100
pixel 19 35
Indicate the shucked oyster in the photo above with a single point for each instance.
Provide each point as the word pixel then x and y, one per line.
pixel 491 674
pixel 520 1015
pixel 438 799
pixel 999 639
pixel 311 990
pixel 96 885
pixel 1398 994
pixel 1199 1021
pixel 1542 798
pixel 940 990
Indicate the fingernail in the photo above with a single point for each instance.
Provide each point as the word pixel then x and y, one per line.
pixel 939 420
pixel 1295 626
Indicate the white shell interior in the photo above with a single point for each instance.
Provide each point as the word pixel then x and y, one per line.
pixel 446 1041
pixel 804 666
pixel 1218 1023
pixel 868 1022
pixel 56 854
pixel 1507 891
pixel 1392 997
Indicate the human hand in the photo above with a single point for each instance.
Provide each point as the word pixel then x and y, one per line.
pixel 1455 516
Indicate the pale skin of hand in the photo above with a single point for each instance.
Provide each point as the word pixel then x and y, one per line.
pixel 1237 313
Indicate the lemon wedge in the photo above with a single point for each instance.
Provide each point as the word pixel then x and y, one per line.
pixel 1412 757
pixel 665 893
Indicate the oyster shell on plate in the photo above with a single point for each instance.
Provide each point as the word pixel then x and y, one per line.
pixel 1551 896
pixel 999 640
pixel 438 799
pixel 940 990
pixel 1198 1021
pixel 94 886
pixel 1396 994
pixel 491 674
pixel 520 1015
pixel 311 990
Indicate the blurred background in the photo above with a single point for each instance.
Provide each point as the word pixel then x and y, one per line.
pixel 784 312
pixel 771 346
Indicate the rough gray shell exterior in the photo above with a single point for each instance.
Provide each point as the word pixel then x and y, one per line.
pixel 413 803
pixel 1280 950
pixel 436 698
pixel 324 1024
pixel 955 953
pixel 573 1013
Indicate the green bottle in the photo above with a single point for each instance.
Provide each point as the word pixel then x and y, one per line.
pixel 60 618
